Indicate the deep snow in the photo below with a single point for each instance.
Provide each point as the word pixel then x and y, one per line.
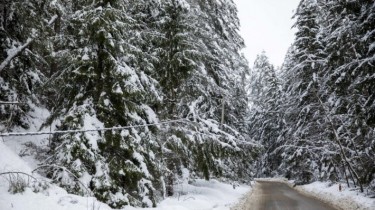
pixel 199 194
pixel 189 195
pixel 347 198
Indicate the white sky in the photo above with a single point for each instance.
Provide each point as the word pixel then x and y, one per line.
pixel 266 25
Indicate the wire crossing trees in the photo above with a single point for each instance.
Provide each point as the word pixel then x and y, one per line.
pixel 102 84
pixel 122 64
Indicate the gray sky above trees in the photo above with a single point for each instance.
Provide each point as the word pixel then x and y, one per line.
pixel 266 25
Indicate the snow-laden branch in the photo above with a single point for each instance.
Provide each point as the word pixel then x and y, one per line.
pixel 65 169
pixel 16 51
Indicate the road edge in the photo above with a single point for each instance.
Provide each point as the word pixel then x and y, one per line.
pixel 341 203
pixel 345 203
pixel 246 198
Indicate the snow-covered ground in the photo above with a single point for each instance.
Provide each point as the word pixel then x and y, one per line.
pixel 347 199
pixel 200 194
pixel 203 195
pixel 195 195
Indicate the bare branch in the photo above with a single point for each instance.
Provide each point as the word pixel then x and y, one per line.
pixel 17 172
pixel 71 173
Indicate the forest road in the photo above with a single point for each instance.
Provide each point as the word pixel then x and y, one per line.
pixel 279 196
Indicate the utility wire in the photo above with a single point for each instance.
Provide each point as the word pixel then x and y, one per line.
pixel 88 130
pixel 10 102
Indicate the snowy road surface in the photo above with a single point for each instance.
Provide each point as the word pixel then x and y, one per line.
pixel 275 195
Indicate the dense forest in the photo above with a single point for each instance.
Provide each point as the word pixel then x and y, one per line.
pixel 168 76
pixel 124 63
pixel 315 116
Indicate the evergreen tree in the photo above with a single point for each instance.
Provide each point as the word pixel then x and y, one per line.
pixel 23 27
pixel 264 96
pixel 196 82
pixel 102 64
pixel 347 83
pixel 102 84
pixel 301 92
pixel 226 68
pixel 327 103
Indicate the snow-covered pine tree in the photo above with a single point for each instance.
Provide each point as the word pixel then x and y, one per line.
pixel 102 82
pixel 104 61
pixel 200 69
pixel 264 93
pixel 348 83
pixel 302 150
pixel 180 53
pixel 23 29
pixel 226 69
pixel 328 98
pixel 226 66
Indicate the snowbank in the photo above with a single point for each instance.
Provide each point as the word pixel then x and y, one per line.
pixel 250 200
pixel 198 194
pixel 347 199
pixel 202 194
pixel 52 198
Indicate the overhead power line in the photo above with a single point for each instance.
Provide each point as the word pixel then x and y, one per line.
pixel 88 130
pixel 10 102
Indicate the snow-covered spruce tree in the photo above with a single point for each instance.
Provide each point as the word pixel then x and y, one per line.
pixel 195 75
pixel 303 151
pixel 328 98
pixel 226 66
pixel 350 99
pixel 23 29
pixel 181 55
pixel 264 93
pixel 102 82
pixel 226 69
